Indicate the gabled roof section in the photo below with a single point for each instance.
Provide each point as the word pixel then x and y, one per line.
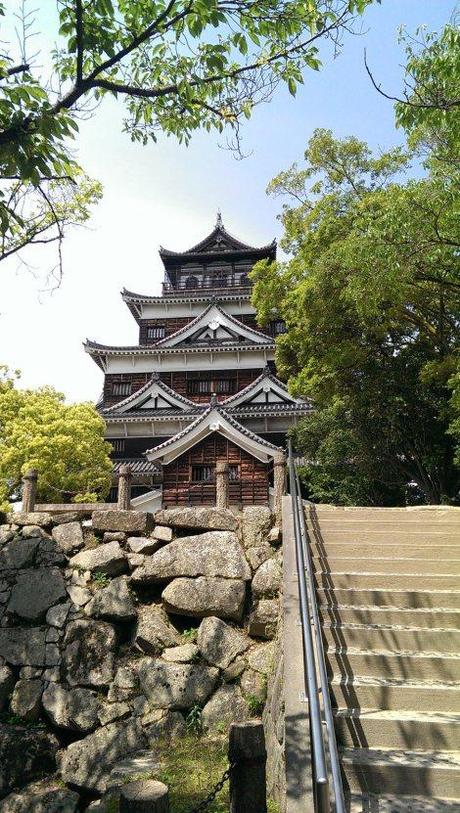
pixel 215 326
pixel 214 419
pixel 219 241
pixel 265 390
pixel 154 395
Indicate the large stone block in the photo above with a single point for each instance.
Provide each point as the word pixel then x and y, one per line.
pixel 35 592
pixel 263 619
pixel 131 522
pixel 203 517
pixel 23 647
pixel 87 764
pixel 25 754
pixel 68 536
pixel 73 709
pixel 88 658
pixel 154 631
pixel 176 685
pixel 35 518
pixel 18 553
pixel 226 706
pixel 41 797
pixel 255 527
pixel 107 558
pixel 113 602
pixel 267 580
pixel 25 702
pixel 216 553
pixel 203 597
pixel 219 643
pixel 6 685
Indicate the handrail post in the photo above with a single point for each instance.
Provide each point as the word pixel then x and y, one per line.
pixel 247 755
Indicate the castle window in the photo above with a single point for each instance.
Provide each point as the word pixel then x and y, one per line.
pixel 233 472
pixel 191 282
pixel 221 386
pixel 156 332
pixel 278 327
pixel 202 474
pixel 224 386
pixel 118 445
pixel 121 388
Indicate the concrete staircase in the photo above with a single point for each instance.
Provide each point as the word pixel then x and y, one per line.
pixel 389 594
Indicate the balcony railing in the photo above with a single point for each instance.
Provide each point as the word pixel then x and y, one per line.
pixel 179 288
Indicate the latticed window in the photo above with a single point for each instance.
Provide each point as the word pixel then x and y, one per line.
pixel 233 472
pixel 221 386
pixel 118 445
pixel 278 327
pixel 121 388
pixel 156 332
pixel 202 474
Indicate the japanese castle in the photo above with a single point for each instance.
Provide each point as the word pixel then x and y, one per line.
pixel 201 384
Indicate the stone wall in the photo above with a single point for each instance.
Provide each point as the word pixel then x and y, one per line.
pixel 274 722
pixel 114 629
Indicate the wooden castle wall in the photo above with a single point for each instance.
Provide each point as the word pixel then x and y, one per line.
pixel 250 488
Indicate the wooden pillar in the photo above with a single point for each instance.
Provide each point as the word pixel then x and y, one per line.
pixel 246 749
pixel 144 796
pixel 124 488
pixel 222 487
pixel 279 476
pixel 29 491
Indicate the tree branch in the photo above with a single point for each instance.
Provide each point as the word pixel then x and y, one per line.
pixel 441 104
pixel 79 36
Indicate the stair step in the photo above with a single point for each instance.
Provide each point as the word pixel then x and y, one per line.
pixel 388 565
pixel 438 617
pixel 371 728
pixel 430 773
pixel 394 695
pixel 393 639
pixel 369 803
pixel 401 581
pixel 394 665
pixel 337 550
pixel 398 599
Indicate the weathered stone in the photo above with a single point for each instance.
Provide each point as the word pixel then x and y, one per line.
pixel 257 556
pixel 140 705
pixel 263 618
pixel 32 531
pixel 81 578
pixel 234 670
pixel 6 534
pixel 73 709
pixel 216 553
pixel 114 536
pixel 89 653
pixel 66 516
pixel 226 706
pixel 135 560
pixel 124 685
pixel 274 535
pixel 175 685
pixel 25 701
pixel 107 558
pixel 56 616
pixel 143 544
pixel 203 517
pixel 181 654
pixel 6 685
pixel 144 794
pixel 52 675
pixel 68 537
pixel 48 554
pixel 40 797
pixel 162 533
pixel 52 636
pixel 25 754
pixel 144 762
pixel 202 597
pixel 52 655
pixel 154 631
pixel 261 658
pixel 132 522
pixel 266 582
pixel 170 724
pixel 79 596
pixel 113 711
pixel 35 518
pixel 219 643
pixel 18 554
pixel 23 647
pixel 35 592
pixel 87 763
pixel 254 684
pixel 257 520
pixel 113 602
pixel 30 672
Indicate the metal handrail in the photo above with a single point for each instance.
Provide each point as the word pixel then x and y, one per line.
pixel 313 644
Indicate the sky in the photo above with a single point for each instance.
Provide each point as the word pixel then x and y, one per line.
pixel 167 194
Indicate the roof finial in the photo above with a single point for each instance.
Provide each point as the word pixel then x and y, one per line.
pixel 219 219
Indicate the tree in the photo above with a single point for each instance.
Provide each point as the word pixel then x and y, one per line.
pixel 65 443
pixel 371 300
pixel 180 65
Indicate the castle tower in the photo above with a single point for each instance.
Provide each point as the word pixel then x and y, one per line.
pixel 200 386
